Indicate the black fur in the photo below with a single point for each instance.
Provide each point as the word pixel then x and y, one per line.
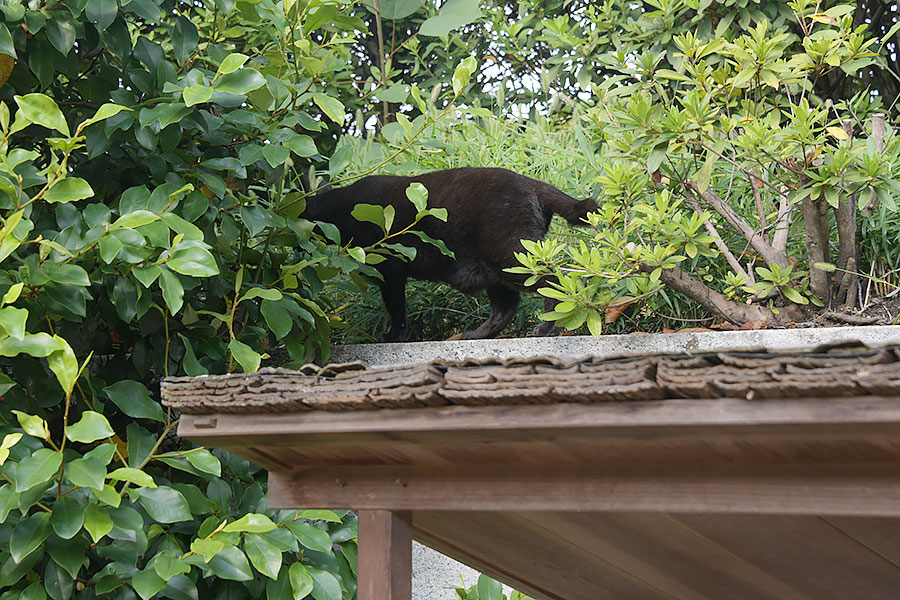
pixel 489 212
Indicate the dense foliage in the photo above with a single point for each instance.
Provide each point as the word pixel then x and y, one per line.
pixel 154 163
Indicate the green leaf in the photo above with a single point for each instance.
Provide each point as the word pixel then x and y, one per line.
pixel 240 82
pixel 134 219
pixel 453 14
pixel 68 554
pixel 595 323
pixel 37 469
pixel 302 145
pixel 147 583
pixel 321 515
pixel 207 548
pixel 69 189
pixel 260 292
pixel 189 363
pixel 91 427
pixel 173 291
pixel 12 294
pixel 12 321
pixel 244 355
pixel 301 581
pixel 793 295
pixel 165 505
pixel 231 563
pixel 203 460
pixel 263 554
pixel 29 534
pixel 109 248
pixel 489 589
pixel 105 111
pixel 97 521
pixel 33 425
pixel 86 472
pixel 189 258
pixel 418 195
pixel 61 34
pixel 369 213
pixel 231 63
pixel 330 106
pixel 132 475
pixel 67 517
pixel 64 365
pixel 197 94
pixel 6 43
pixel 325 585
pixel 134 400
pixel 9 440
pixel 251 523
pixel 107 495
pixel 311 537
pixel 185 38
pixel 57 582
pixel 277 318
pixel 102 12
pixel 391 10
pixel 41 110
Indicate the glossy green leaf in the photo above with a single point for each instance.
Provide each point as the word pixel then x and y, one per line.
pixel 91 427
pixel 205 461
pixel 321 515
pixel 86 472
pixel 61 33
pixel 243 81
pixel 67 517
pixel 489 589
pixel 42 110
pixel 193 260
pixel 29 534
pixel 331 106
pixel 325 585
pixel 134 219
pixel 67 553
pixel 207 548
pixel 102 12
pixel 165 505
pixel 277 318
pixel 37 469
pixel 252 523
pixel 33 425
pixel 9 440
pixel 453 14
pixel 132 475
pixel 97 521
pixel 311 537
pixel 147 583
pixel 302 582
pixel 64 365
pixel 263 555
pixel 173 291
pixel 245 355
pixel 197 94
pixel 390 10
pixel 57 582
pixel 231 563
pixel 134 400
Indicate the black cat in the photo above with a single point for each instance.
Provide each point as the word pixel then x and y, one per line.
pixel 489 211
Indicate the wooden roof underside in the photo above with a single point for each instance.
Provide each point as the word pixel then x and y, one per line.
pixel 702 484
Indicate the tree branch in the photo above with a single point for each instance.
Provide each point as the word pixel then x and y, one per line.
pixel 711 229
pixel 759 243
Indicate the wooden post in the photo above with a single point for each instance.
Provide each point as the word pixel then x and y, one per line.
pixel 385 555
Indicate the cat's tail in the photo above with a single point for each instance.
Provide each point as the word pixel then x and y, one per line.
pixel 557 201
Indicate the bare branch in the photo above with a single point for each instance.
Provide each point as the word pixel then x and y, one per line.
pixel 711 229
pixel 716 303
pixel 782 223
pixel 757 196
pixel 759 243
pixel 878 133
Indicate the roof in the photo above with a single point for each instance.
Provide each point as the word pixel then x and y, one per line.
pixel 738 474
pixel 827 372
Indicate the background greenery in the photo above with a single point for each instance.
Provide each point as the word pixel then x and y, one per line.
pixel 154 163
